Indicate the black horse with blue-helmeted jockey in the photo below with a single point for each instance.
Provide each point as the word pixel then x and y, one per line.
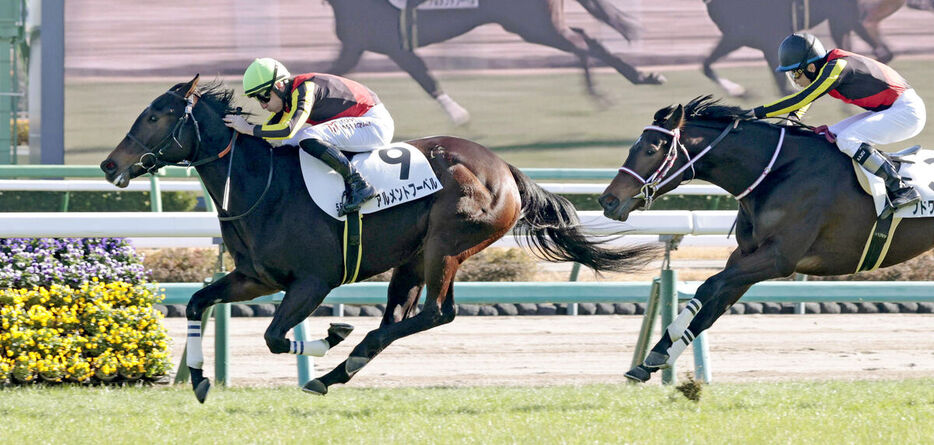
pixel 801 207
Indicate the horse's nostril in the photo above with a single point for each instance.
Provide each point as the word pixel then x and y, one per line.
pixel 108 166
pixel 608 201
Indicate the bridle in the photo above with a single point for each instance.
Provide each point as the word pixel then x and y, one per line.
pixel 157 153
pixel 657 180
pixel 660 177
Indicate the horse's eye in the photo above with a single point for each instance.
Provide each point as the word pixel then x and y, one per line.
pixel 651 150
pixel 153 118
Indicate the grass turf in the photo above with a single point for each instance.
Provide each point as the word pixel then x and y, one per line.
pixel 532 120
pixel 816 412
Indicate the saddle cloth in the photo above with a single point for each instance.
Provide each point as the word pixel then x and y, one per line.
pixel 439 4
pixel 918 170
pixel 399 172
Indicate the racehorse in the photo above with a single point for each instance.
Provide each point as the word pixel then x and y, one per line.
pixel 281 240
pixel 763 24
pixel 373 25
pixel 801 208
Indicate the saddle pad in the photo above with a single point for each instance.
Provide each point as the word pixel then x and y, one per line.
pixel 440 4
pixel 399 172
pixel 919 167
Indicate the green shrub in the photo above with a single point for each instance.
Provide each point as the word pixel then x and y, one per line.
pixel 511 264
pixel 20 201
pixel 494 264
pixel 667 202
pixel 920 268
pixel 182 265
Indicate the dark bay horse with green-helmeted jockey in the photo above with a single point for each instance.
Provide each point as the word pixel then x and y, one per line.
pixel 536 21
pixel 280 240
pixel 801 208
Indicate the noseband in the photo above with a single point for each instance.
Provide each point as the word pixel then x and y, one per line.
pixel 658 179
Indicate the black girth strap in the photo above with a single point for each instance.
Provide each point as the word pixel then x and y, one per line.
pixel 353 246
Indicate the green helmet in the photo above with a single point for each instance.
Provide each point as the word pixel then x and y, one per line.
pixel 261 75
pixel 798 50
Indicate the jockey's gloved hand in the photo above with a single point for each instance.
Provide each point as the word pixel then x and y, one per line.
pixel 748 114
pixel 238 123
pixel 825 130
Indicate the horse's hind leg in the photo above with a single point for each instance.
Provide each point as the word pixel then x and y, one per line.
pixel 438 310
pixel 415 66
pixel 724 47
pixel 234 286
pixel 597 50
pixel 405 287
pixel 346 60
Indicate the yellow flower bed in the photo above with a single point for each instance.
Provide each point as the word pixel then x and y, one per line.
pixel 96 331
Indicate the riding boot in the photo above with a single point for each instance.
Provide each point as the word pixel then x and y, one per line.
pixel 357 189
pixel 899 193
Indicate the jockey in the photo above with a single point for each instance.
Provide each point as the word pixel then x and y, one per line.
pixel 894 113
pixel 321 113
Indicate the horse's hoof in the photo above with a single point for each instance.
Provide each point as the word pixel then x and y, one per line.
pixel 653 79
pixel 315 387
pixel 201 390
pixel 639 374
pixel 355 364
pixel 656 360
pixel 337 333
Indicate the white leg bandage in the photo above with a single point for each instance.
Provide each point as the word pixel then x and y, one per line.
pixel 194 356
pixel 678 346
pixel 681 323
pixel 315 348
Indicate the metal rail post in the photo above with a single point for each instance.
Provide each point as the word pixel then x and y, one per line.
pixel 155 194
pixel 575 271
pixel 669 298
pixel 701 358
pixel 648 325
pixel 305 363
pixel 222 342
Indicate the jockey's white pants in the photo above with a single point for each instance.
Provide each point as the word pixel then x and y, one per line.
pixel 355 134
pixel 903 120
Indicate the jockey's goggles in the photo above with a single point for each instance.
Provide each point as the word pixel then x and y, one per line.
pixel 263 97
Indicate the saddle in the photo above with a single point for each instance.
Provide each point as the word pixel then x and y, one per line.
pixel 408 31
pixel 914 165
pixel 399 172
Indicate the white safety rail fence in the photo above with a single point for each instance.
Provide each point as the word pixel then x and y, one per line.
pixel 99 185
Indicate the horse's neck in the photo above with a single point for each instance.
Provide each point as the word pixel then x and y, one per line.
pixel 734 164
pixel 244 162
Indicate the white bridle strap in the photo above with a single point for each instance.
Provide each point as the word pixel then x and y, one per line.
pixel 658 179
pixel 768 168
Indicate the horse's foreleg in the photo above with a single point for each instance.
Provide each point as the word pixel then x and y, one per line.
pixel 724 47
pixel 595 49
pixel 438 310
pixel 415 66
pixel 234 286
pixel 301 299
pixel 871 18
pixel 712 299
pixel 405 287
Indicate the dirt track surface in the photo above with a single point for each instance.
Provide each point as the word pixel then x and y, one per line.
pixel 552 350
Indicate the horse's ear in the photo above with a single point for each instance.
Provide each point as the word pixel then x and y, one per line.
pixel 190 87
pixel 675 119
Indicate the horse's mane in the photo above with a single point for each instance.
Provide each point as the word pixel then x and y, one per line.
pixel 711 109
pixel 219 98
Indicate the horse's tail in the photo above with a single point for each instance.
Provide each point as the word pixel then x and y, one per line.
pixel 552 231
pixel 623 23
